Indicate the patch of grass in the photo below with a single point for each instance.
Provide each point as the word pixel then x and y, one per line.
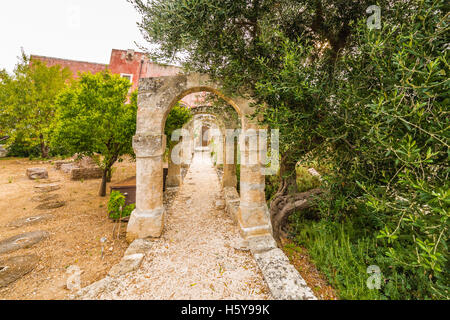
pixel 342 261
pixel 343 251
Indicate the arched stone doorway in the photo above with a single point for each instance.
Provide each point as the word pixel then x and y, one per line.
pixel 156 98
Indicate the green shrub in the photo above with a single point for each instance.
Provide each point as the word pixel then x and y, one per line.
pixel 344 250
pixel 305 180
pixel 116 204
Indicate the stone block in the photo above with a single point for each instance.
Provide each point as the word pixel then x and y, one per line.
pixel 48 187
pixel 21 241
pixel 14 268
pixel 59 163
pixel 145 224
pixel 283 280
pixel 127 264
pixel 139 246
pixel 86 173
pixel 44 197
pixel 68 167
pixel 51 205
pixel 149 145
pixel 37 173
pixel 261 244
pixel 29 220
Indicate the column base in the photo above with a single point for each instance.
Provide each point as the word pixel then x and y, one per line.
pixel 257 231
pixel 254 221
pixel 144 224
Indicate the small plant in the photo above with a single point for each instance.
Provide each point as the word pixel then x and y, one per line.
pixel 10 180
pixel 116 206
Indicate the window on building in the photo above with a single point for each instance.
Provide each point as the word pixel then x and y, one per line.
pixel 127 76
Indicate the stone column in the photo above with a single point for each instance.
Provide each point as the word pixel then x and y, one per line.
pixel 229 178
pixel 174 173
pixel 148 217
pixel 253 215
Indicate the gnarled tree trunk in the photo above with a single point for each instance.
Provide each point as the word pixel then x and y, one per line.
pixel 287 200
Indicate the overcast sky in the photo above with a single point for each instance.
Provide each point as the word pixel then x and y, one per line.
pixel 84 30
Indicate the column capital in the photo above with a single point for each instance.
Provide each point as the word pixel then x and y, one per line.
pixel 148 145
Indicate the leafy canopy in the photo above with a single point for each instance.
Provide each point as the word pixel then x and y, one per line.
pixel 27 101
pixel 94 117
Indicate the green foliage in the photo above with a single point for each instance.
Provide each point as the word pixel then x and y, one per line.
pixel 27 105
pixel 178 116
pixel 94 117
pixel 370 104
pixel 344 251
pixel 116 206
pixel 305 180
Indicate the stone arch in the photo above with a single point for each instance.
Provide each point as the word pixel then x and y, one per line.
pixel 156 98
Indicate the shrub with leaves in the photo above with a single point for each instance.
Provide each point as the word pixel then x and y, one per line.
pixel 116 206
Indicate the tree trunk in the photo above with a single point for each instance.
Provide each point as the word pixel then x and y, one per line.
pixel 109 175
pixel 102 191
pixel 44 147
pixel 287 200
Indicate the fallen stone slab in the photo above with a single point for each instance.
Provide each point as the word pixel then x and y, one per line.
pixel 86 173
pixel 44 197
pixel 128 263
pixel 29 220
pixel 283 280
pixel 22 241
pixel 94 290
pixel 139 246
pixel 14 268
pixel 37 173
pixel 48 187
pixel 51 205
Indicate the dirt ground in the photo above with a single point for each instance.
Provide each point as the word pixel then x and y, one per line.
pixel 75 231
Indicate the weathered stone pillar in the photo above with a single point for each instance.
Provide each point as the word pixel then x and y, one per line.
pixel 229 178
pixel 253 215
pixel 148 217
pixel 174 173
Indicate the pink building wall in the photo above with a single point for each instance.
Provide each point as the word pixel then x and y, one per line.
pixel 127 63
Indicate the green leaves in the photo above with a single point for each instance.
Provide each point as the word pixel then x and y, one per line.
pixel 96 115
pixel 370 105
pixel 117 208
pixel 27 102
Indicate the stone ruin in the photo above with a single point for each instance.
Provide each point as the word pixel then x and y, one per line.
pixel 80 169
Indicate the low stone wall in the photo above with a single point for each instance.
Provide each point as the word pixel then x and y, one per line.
pixel 59 163
pixel 86 173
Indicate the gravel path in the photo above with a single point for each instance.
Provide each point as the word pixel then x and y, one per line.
pixel 196 258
